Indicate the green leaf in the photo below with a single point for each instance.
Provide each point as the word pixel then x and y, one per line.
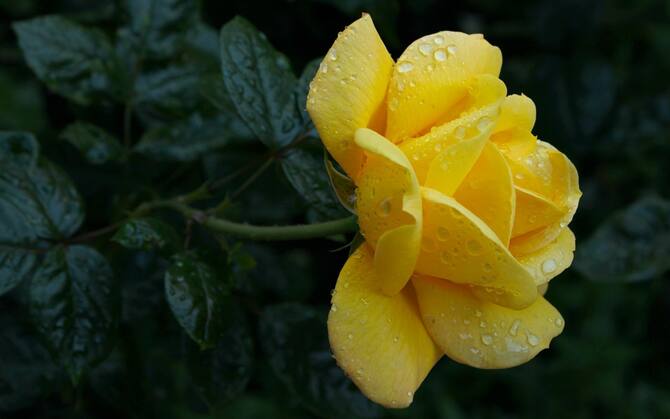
pixel 344 187
pixel 74 61
pixel 189 139
pixel 196 297
pixel 157 28
pixel 296 346
pixel 147 234
pixel 260 83
pixel 95 144
pixel 222 372
pixel 305 170
pixel 37 202
pixel 74 306
pixel 632 245
pixel 19 147
pixel 26 369
pixel 168 91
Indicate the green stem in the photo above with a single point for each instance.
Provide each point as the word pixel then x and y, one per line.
pixel 260 233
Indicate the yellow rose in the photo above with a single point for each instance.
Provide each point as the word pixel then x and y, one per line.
pixel 463 210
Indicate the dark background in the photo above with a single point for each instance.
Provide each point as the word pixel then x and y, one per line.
pixel 598 73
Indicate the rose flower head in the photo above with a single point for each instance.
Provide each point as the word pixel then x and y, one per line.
pixel 463 210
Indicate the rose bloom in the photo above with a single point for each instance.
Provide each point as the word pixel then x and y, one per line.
pixel 463 210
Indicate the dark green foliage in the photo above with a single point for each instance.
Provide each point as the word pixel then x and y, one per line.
pixel 74 61
pixel 260 83
pixel 95 144
pixel 197 298
pixel 74 306
pixel 112 309
pixel 147 234
pixel 633 245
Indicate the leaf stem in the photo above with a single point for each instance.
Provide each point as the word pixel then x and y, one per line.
pixel 259 233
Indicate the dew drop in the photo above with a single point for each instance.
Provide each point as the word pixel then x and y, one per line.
pixel 333 55
pixel 478 313
pixel 384 207
pixel 474 351
pixel 405 67
pixel 532 339
pixel 483 123
pixel 333 308
pixel 350 336
pixel 559 322
pixel 549 266
pixel 487 340
pixel 459 133
pixel 425 48
pixel 451 49
pixel 440 55
pixel 428 245
pixel 396 339
pixel 442 234
pixel 474 247
pixel 438 40
pixel 444 257
pixel 324 68
pixel 515 327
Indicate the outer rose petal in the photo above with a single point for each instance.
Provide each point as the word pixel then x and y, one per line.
pixel 458 246
pixel 432 77
pixel 481 334
pixel 489 193
pixel 390 210
pixel 349 89
pixel 552 259
pixel 379 340
pixel 516 111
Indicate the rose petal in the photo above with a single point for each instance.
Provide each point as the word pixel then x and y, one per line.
pixel 379 340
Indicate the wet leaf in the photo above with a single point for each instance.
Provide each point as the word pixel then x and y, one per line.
pixel 632 245
pixel 197 298
pixel 74 305
pixel 96 145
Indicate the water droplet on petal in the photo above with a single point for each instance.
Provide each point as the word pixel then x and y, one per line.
pixel 384 207
pixel 532 339
pixel 483 123
pixel 440 55
pixel 438 40
pixel 515 327
pixel 333 55
pixel 333 308
pixel 451 49
pixel 442 234
pixel 487 340
pixel 425 48
pixel 405 67
pixel 474 247
pixel 559 322
pixel 549 266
